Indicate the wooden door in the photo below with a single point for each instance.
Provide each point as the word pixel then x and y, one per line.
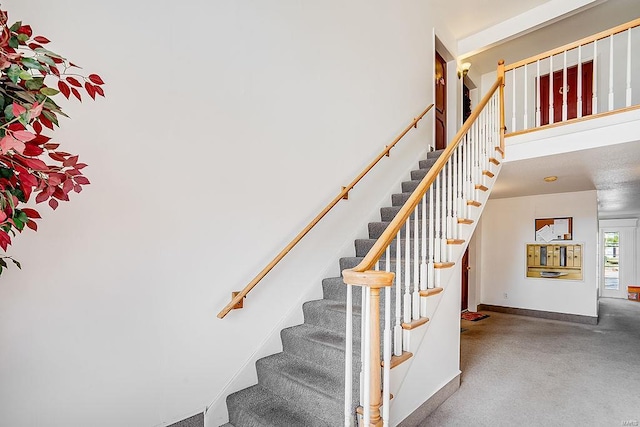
pixel 572 93
pixel 441 103
pixel 465 281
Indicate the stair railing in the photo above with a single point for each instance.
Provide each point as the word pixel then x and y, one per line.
pixel 432 216
pixel 584 79
pixel 237 297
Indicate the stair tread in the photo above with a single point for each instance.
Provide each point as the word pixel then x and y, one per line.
pixel 318 335
pixel 257 406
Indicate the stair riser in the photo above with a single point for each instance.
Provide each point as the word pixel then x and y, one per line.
pixel 363 246
pixel 377 228
pixel 325 356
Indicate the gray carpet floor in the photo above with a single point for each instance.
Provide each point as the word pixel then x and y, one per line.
pixel 523 371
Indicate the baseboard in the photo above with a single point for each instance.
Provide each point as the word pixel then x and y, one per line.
pixel 194 421
pixel 417 417
pixel 575 318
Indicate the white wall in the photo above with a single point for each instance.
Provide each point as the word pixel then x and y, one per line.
pixel 227 126
pixel 508 225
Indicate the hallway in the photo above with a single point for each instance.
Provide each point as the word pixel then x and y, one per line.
pixel 523 371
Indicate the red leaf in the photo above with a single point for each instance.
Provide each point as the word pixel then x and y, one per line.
pixel 46 122
pixel 57 60
pixel 41 139
pixel 25 29
pixel 27 192
pixel 90 90
pixel 42 40
pixel 99 90
pixel 41 197
pixel 64 88
pixel 32 150
pixel 53 203
pixel 3 217
pixel 56 156
pixel 23 135
pixel 77 188
pixel 35 164
pixel 31 213
pixel 67 186
pixel 27 179
pixel 73 172
pixel 36 127
pixel 18 109
pixel 10 143
pixel 34 46
pixel 5 240
pixel 15 126
pixel 71 161
pixel 82 180
pixel 60 195
pixel 96 79
pixel 80 166
pixel 75 93
pixel 54 70
pixel 74 82
pixel 54 180
pixel 32 225
pixel 51 145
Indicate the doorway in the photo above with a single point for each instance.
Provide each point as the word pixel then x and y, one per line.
pixel 617 257
pixel 465 281
pixel 572 93
pixel 441 102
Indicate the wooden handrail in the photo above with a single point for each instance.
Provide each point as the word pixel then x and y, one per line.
pixel 379 247
pixel 573 45
pixel 344 194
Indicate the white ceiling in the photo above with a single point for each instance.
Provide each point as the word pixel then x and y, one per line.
pixel 614 171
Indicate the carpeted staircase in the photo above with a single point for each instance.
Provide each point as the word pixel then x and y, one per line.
pixel 304 384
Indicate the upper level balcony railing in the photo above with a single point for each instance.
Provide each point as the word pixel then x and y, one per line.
pixel 595 76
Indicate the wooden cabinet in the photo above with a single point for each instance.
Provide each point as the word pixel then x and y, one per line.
pixel 557 261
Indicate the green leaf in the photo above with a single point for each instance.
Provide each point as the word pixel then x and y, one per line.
pixel 14 73
pixel 25 75
pixel 49 91
pixel 15 27
pixel 22 216
pixel 6 172
pixel 3 263
pixel 47 52
pixel 51 117
pixel 17 263
pixel 8 113
pixel 13 42
pixel 34 84
pixel 31 63
pixel 46 60
pixel 1 102
pixel 23 37
pixel 19 224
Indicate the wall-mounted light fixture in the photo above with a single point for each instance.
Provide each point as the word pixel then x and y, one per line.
pixel 463 69
pixel 551 178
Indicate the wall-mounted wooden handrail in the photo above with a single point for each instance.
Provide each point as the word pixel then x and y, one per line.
pixel 342 195
pixel 390 233
pixel 573 45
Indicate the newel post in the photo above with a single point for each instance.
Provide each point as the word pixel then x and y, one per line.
pixel 502 125
pixel 371 281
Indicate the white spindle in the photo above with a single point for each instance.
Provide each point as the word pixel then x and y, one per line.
pixel 436 254
pixel 594 96
pixel 432 236
pixel 629 67
pixel 363 352
pixel 397 329
pixel 565 87
pixel 424 268
pixel 348 363
pixel 551 89
pixel 611 72
pixel 538 93
pixel 454 194
pixel 386 347
pixel 415 311
pixel 406 312
pixel 513 115
pixel 579 94
pixel 526 98
pixel 443 217
pixel 366 403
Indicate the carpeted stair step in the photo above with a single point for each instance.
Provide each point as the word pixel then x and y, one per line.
pixel 434 154
pixel 427 163
pixel 389 212
pixel 319 391
pixel 377 228
pixel 363 246
pixel 351 262
pixel 258 407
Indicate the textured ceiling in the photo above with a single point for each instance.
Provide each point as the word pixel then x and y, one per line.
pixel 614 171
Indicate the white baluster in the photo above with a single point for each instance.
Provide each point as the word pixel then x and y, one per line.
pixel 424 268
pixel 443 229
pixel 526 98
pixel 538 93
pixel 594 97
pixel 363 351
pixel 454 195
pixel 348 362
pixel 513 118
pixel 406 309
pixel 579 94
pixel 551 117
pixel 629 67
pixel 366 403
pixel 386 348
pixel 436 254
pixel 397 329
pixel 564 88
pixel 416 268
pixel 432 236
pixel 611 72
